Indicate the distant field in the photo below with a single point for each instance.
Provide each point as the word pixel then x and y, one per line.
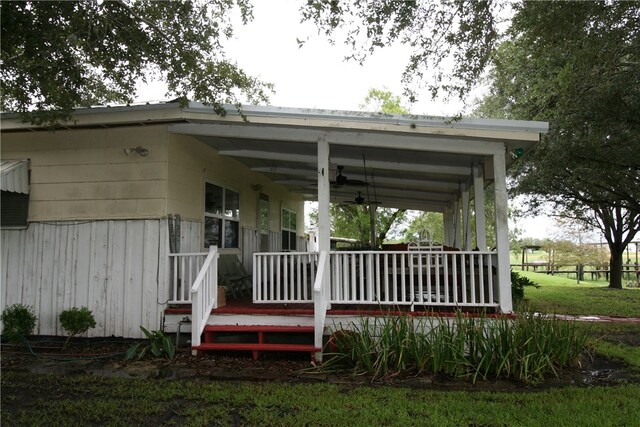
pixel 558 294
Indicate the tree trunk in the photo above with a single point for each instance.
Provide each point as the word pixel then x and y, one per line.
pixel 615 267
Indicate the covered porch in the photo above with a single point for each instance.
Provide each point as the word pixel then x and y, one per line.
pixel 407 162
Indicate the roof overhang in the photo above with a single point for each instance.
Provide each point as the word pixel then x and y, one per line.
pixel 409 161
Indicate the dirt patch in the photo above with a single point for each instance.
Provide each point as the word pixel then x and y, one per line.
pixel 105 358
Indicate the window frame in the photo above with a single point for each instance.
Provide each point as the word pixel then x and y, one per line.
pixel 223 217
pixel 287 230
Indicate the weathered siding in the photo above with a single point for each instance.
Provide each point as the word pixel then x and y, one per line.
pixel 85 173
pixel 115 268
pixel 191 163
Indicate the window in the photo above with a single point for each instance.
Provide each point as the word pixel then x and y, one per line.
pixel 221 217
pixel 288 230
pixel 14 193
pixel 15 209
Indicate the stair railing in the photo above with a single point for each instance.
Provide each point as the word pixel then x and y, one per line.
pixel 204 293
pixel 321 299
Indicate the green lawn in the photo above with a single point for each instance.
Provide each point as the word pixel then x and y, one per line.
pixel 561 295
pixel 84 400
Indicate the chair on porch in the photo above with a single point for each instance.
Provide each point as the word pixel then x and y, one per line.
pixel 233 275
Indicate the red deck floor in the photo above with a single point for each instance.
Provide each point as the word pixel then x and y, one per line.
pixel 246 306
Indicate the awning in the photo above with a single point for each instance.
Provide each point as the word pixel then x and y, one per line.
pixel 14 176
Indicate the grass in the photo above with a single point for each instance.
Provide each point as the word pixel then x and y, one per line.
pixel 614 340
pixel 561 295
pixel 84 400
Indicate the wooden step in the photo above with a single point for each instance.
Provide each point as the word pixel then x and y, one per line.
pixel 305 348
pixel 260 328
pixel 258 338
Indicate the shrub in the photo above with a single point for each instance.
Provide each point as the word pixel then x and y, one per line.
pixel 159 345
pixel 76 321
pixel 18 321
pixel 518 284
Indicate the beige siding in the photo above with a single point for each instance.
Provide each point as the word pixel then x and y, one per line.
pixel 85 174
pixel 191 163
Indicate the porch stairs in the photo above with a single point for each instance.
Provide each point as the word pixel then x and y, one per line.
pixel 258 339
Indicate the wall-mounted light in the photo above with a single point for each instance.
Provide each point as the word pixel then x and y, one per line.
pixel 517 153
pixel 139 149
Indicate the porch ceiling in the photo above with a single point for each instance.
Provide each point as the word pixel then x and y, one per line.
pixel 411 162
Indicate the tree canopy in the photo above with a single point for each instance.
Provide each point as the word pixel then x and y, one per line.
pixel 451 40
pixel 60 55
pixel 577 65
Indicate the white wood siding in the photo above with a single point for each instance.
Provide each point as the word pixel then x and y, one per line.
pixel 115 268
pixel 249 246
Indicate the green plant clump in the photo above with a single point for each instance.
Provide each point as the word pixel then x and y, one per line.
pixel 158 344
pixel 76 321
pixel 526 348
pixel 18 321
pixel 518 284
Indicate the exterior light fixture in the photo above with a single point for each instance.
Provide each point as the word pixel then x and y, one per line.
pixel 139 149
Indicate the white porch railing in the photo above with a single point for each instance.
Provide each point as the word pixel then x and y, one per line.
pixel 284 277
pixel 204 293
pixel 184 269
pixel 321 300
pixel 434 278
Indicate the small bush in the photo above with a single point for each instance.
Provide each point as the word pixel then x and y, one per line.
pixel 518 284
pixel 18 321
pixel 76 321
pixel 159 345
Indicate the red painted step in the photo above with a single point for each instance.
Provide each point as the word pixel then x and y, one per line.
pixel 259 328
pixel 258 347
pixel 257 338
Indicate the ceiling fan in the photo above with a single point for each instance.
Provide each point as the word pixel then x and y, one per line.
pixel 359 200
pixel 343 180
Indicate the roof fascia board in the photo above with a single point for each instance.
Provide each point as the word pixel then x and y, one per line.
pixel 143 114
pixel 281 113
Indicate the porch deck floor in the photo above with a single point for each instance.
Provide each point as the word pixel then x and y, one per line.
pixel 247 306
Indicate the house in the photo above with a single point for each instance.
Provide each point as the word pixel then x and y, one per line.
pixel 127 210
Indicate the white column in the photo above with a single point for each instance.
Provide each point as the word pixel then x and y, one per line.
pixel 466 218
pixel 457 226
pixel 372 217
pixel 324 221
pixel 502 232
pixel 478 197
pixel 447 217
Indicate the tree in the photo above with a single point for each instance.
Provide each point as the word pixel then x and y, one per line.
pixel 382 100
pixel 576 65
pixel 459 32
pixel 59 55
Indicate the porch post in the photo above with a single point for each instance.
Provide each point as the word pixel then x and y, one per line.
pixel 478 197
pixel 457 226
pixel 502 232
pixel 322 293
pixel 466 218
pixel 324 226
pixel 447 217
